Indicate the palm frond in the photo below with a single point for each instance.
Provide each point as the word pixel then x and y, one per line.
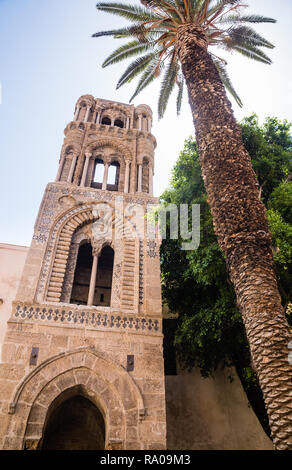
pixel 147 77
pixel 246 19
pixel 219 7
pixel 166 7
pixel 130 12
pixel 180 95
pixel 136 67
pixel 226 80
pixel 243 35
pixel 128 50
pixel 128 31
pixel 253 53
pixel 167 86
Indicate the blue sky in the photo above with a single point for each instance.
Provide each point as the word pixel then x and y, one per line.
pixel 48 59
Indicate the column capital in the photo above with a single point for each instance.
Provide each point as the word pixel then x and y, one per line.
pixel 88 154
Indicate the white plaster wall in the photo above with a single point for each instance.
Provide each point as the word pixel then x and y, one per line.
pixel 12 259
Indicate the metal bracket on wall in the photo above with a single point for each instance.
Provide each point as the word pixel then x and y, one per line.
pixel 130 363
pixel 34 357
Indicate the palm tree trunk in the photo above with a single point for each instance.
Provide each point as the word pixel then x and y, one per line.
pixel 241 226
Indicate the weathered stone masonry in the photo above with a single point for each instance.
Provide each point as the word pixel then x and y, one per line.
pixel 87 321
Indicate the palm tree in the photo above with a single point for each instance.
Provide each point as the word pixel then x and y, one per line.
pixel 178 38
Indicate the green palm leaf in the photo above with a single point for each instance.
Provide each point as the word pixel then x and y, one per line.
pixel 121 32
pixel 130 12
pixel 180 96
pixel 247 19
pixel 253 53
pixel 167 86
pixel 136 67
pixel 147 77
pixel 127 50
pixel 226 80
pixel 241 35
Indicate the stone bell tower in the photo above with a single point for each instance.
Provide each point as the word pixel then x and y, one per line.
pixel 82 360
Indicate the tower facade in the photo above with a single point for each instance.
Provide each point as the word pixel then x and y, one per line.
pixel 82 360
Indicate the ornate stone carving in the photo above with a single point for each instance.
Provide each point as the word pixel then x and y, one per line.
pixel 96 317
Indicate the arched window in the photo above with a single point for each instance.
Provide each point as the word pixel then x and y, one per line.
pixel 104 277
pixel 113 177
pixel 98 173
pixel 82 275
pixel 119 123
pixel 106 121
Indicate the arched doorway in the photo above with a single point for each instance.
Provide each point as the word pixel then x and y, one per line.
pixel 75 424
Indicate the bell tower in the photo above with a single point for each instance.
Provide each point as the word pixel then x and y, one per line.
pixel 86 325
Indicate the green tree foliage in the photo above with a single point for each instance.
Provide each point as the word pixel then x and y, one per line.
pixel 210 331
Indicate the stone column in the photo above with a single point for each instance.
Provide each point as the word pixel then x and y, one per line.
pixel 128 123
pixel 77 113
pixel 87 114
pixel 149 121
pixel 139 178
pixel 150 179
pixel 105 176
pixel 92 281
pixel 72 168
pixel 97 121
pixel 61 166
pixel 127 177
pixel 85 169
pixel 140 122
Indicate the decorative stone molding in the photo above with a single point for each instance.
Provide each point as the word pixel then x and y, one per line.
pixel 97 318
pixel 101 143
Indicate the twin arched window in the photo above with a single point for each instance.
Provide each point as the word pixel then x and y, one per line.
pixel 83 276
pixel 112 178
pixel 107 121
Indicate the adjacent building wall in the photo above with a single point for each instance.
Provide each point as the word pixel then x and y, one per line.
pixel 12 258
pixel 213 413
